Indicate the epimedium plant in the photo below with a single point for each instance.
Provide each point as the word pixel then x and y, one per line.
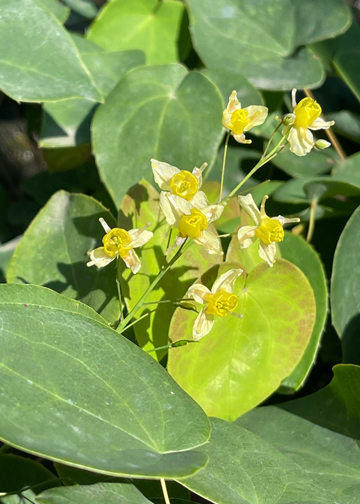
pixel 155 324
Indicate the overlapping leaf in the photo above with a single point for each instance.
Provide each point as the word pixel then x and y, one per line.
pixel 101 402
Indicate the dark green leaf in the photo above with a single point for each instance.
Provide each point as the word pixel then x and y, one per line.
pixel 346 63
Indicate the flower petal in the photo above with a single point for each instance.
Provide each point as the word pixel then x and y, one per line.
pixel 285 220
pixel 140 236
pixel 226 281
pixel 257 115
pixel 241 139
pixel 179 241
pixel 267 252
pixel 293 98
pixel 301 141
pixel 248 204
pixel 246 236
pixel 198 292
pixel 174 207
pixel 210 241
pixel 163 173
pixel 99 258
pixel 198 172
pixel 202 325
pixel 104 224
pixel 213 212
pixel 321 124
pixel 200 200
pixel 132 261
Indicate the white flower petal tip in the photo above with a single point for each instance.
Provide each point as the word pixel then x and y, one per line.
pixel 268 229
pixel 239 120
pixel 120 243
pixel 305 117
pixel 220 301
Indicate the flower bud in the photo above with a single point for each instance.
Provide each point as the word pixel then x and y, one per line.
pixel 322 144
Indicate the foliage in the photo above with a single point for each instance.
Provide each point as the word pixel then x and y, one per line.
pixel 156 321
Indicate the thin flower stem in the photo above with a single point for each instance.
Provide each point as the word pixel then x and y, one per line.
pixel 223 165
pixel 271 139
pixel 261 163
pixel 311 221
pixel 151 287
pixel 165 492
pixel 118 285
pixel 169 238
pixel 330 134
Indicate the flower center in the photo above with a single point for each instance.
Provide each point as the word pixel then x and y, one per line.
pixel 117 241
pixel 184 184
pixel 221 303
pixel 270 230
pixel 306 111
pixel 192 225
pixel 239 119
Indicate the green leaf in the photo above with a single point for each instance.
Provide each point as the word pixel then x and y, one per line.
pixel 314 163
pixel 244 469
pixel 346 63
pixel 148 25
pixel 85 8
pixel 347 124
pixel 101 493
pixel 53 253
pixel 140 206
pixel 316 433
pixel 160 112
pixel 6 253
pixel 101 402
pixel 345 284
pixel 244 359
pixel 67 122
pixel 59 10
pixel 296 250
pixel 19 473
pixel 41 62
pixel 348 170
pixel 23 498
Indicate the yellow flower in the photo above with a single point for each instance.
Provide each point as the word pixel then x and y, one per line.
pixel 305 117
pixel 120 243
pixel 180 182
pixel 268 229
pixel 240 120
pixel 191 222
pixel 220 301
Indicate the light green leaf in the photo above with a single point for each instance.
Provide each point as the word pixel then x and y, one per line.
pixel 101 493
pixel 346 63
pixel 316 433
pixel 41 62
pixel 244 359
pixel 347 124
pixel 67 123
pixel 160 112
pixel 23 498
pixel 314 163
pixel 140 206
pixel 53 253
pixel 345 284
pixel 6 253
pixel 85 8
pixel 148 25
pixel 348 170
pixel 296 250
pixel 244 469
pixel 60 11
pixel 101 402
pixel 19 473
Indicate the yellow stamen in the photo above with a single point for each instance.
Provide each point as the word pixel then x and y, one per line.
pixel 192 225
pixel 306 112
pixel 270 230
pixel 239 120
pixel 184 184
pixel 117 241
pixel 221 303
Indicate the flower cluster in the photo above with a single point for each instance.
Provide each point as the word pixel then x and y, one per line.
pixel 187 209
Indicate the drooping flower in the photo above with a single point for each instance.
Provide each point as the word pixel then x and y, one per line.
pixel 182 183
pixel 239 120
pixel 120 243
pixel 268 229
pixel 191 222
pixel 305 117
pixel 220 301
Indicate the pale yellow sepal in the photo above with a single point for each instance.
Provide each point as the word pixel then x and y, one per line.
pixel 120 243
pixel 305 117
pixel 181 183
pixel 220 300
pixel 191 222
pixel 239 120
pixel 268 229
